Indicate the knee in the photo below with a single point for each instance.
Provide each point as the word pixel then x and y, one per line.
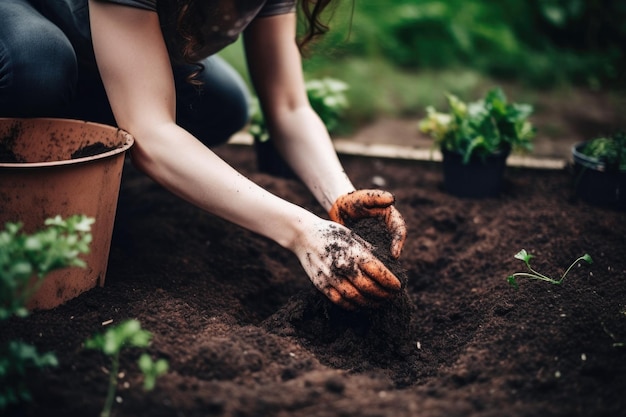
pixel 217 109
pixel 237 109
pixel 37 74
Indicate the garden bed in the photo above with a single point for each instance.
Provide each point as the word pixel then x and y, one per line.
pixel 240 323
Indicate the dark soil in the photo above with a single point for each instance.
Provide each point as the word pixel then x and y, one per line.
pixel 246 334
pixel 91 150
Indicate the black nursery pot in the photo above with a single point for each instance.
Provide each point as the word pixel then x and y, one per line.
pixel 595 183
pixel 479 178
pixel 269 161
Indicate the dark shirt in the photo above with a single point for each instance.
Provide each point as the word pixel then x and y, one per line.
pixel 223 21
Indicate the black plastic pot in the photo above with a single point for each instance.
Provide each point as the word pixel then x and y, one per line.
pixel 595 183
pixel 479 178
pixel 269 161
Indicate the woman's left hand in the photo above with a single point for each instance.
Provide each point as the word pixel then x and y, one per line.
pixel 362 204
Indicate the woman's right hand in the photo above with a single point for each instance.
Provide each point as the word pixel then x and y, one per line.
pixel 343 267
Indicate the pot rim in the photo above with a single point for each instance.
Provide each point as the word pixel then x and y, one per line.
pixel 129 141
pixel 588 161
pixel 500 153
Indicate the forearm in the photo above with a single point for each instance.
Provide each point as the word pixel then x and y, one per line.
pixel 304 142
pixel 183 165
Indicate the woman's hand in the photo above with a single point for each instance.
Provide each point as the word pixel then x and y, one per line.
pixel 372 203
pixel 342 266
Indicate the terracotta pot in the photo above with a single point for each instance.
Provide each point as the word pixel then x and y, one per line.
pixel 48 177
pixel 596 183
pixel 479 178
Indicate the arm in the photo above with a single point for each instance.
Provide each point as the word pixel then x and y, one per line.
pixel 136 71
pixel 135 67
pixel 300 135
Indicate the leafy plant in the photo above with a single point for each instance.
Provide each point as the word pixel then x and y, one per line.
pixel 23 257
pixel 16 359
pixel 611 150
pixel 525 257
pixel 25 260
pixel 126 334
pixel 480 128
pixel 327 98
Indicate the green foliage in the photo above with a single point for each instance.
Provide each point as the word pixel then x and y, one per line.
pixel 151 370
pixel 393 53
pixel 327 97
pixel 525 257
pixel 16 360
pixel 611 150
pixel 511 38
pixel 480 128
pixel 24 258
pixel 126 334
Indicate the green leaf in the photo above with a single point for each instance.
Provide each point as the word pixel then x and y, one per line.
pixel 512 281
pixel 522 255
pixel 587 258
pixel 151 370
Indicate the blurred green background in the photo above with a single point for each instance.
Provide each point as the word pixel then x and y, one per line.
pixel 400 56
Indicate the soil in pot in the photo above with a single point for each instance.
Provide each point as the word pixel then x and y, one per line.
pixel 478 178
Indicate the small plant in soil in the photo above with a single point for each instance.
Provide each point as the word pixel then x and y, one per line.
pixel 481 128
pixel 25 260
pixel 126 334
pixel 525 257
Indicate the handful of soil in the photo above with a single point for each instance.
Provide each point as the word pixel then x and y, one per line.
pixel 352 339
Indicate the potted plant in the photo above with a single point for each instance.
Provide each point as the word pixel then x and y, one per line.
pixel 476 139
pixel 600 170
pixel 51 167
pixel 327 98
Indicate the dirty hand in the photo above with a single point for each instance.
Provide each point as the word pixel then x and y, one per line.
pixel 372 203
pixel 342 266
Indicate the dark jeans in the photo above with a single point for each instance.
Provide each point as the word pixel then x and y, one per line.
pixel 47 69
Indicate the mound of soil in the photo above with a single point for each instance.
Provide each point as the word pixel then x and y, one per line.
pixel 246 334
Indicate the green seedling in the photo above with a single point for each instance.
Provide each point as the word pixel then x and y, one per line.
pixel 16 358
pixel 525 257
pixel 25 260
pixel 126 334
pixel 151 370
pixel 24 257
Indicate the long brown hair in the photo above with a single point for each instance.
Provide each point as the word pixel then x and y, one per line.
pixel 314 25
pixel 190 17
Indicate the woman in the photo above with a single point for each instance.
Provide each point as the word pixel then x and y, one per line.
pixel 166 87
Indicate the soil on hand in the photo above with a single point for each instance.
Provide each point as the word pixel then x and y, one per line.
pixel 246 334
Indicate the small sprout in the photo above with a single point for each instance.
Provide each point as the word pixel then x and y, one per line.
pixel 151 370
pixel 525 257
pixel 128 333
